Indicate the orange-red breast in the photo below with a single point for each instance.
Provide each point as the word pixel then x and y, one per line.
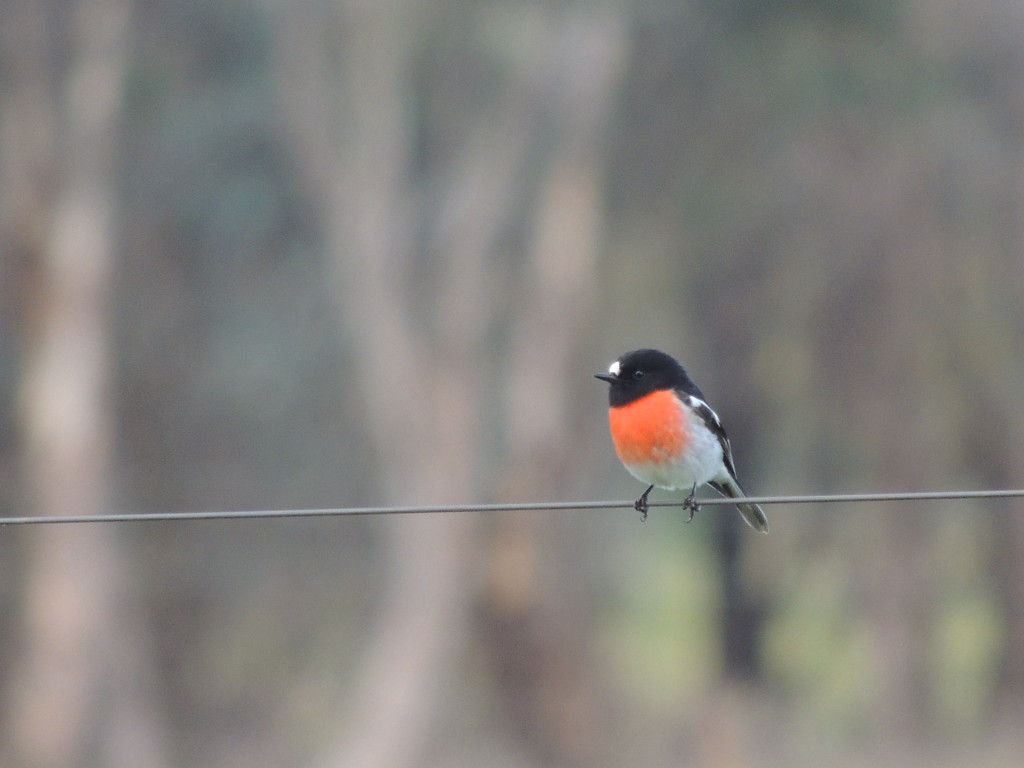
pixel 667 435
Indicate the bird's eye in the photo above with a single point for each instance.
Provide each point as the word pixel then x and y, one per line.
pixel 638 374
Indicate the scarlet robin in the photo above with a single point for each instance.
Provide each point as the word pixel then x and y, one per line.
pixel 667 435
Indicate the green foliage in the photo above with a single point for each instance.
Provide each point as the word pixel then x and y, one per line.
pixel 659 636
pixel 820 652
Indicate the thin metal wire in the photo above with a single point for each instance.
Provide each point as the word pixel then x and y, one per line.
pixel 557 506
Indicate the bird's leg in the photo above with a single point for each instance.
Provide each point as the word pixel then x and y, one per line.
pixel 690 503
pixel 640 505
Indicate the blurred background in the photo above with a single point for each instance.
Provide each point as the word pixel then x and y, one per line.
pixel 265 254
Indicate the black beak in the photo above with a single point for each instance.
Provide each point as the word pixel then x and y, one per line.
pixel 605 377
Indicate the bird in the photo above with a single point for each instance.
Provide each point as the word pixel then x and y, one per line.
pixel 667 435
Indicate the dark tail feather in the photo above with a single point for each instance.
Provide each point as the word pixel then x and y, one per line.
pixel 752 513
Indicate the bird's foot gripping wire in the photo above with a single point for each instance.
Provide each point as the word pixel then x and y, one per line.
pixel 690 504
pixel 640 505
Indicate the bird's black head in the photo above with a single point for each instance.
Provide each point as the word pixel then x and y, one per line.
pixel 643 371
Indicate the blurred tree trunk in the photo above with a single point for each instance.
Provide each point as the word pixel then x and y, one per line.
pixel 79 691
pixel 1005 467
pixel 1008 566
pixel 420 351
pixel 725 735
pixel 900 588
pixel 1008 459
pixel 536 639
pixel 417 374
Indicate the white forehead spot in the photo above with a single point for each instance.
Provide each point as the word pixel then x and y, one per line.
pixel 614 368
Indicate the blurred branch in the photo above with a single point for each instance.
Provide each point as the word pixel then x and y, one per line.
pixel 82 680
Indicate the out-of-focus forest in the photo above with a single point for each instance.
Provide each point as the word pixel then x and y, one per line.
pixel 269 254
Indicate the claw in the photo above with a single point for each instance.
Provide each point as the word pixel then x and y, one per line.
pixel 690 504
pixel 640 505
